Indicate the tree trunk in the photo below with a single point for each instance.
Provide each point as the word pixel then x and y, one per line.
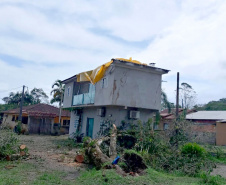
pixel 60 107
pixel 112 148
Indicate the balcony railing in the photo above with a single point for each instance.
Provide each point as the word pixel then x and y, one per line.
pixel 86 98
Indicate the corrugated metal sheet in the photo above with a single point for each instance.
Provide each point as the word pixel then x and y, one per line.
pixel 207 115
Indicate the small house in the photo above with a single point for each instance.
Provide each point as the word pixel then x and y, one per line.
pixel 205 125
pixel 37 119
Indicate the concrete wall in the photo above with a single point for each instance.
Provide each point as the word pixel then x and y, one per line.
pixel 104 96
pixel 126 86
pixel 7 122
pixel 131 88
pixel 135 88
pixel 113 114
pixel 68 97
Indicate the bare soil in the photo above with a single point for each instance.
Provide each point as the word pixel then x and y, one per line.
pixel 47 154
pixel 220 170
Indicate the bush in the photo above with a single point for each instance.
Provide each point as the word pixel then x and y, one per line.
pixel 213 180
pixel 193 150
pixel 8 144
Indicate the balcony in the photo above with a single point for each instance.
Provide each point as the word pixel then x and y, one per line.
pixel 85 98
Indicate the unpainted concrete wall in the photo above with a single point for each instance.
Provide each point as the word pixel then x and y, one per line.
pixel 114 114
pixel 68 98
pixel 126 86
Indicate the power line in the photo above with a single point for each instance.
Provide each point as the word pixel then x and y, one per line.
pixel 10 89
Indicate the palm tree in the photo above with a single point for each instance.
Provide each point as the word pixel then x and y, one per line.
pixel 164 101
pixel 58 93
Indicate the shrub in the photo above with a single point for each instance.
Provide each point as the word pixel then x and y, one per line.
pixel 213 180
pixel 193 150
pixel 8 144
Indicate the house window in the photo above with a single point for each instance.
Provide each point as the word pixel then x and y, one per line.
pixel 66 122
pixel 166 126
pixel 105 82
pixel 13 118
pixel 69 91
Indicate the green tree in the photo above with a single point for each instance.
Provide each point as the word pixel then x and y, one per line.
pixel 57 92
pixel 165 104
pixel 213 105
pixel 39 95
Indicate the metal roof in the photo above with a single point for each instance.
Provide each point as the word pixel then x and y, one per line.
pixel 207 115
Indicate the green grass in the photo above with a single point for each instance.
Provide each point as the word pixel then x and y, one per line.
pixel 94 177
pixel 26 173
pixel 221 160
pixel 68 143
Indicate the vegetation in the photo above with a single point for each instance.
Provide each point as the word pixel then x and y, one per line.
pixel 188 95
pixel 57 92
pixel 213 105
pixel 37 95
pixel 165 104
pixel 8 144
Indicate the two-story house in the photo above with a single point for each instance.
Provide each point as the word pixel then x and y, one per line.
pixel 120 91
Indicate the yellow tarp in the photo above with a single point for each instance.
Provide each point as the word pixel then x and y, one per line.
pixel 97 74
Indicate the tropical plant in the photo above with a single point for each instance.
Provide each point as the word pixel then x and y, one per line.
pixel 164 102
pixel 37 95
pixel 57 92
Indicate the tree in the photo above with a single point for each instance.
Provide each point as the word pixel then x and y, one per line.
pixel 165 104
pixel 36 96
pixel 188 95
pixel 57 92
pixel 213 105
pixel 39 95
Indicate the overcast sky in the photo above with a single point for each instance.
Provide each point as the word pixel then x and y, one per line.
pixel 45 40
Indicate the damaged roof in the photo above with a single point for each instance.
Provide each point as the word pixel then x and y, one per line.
pixel 39 110
pixel 95 75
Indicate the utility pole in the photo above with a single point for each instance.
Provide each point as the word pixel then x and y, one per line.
pixel 177 99
pixel 21 104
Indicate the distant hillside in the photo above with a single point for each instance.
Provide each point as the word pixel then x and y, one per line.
pixel 214 105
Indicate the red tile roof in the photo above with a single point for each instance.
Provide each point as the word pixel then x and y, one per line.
pixel 165 115
pixel 39 110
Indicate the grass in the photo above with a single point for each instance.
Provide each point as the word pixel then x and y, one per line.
pixel 68 143
pixel 25 173
pixel 93 177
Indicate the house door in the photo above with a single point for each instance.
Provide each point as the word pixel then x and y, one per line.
pixel 89 127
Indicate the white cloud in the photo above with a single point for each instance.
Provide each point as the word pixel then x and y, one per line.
pixel 194 46
pixel 57 40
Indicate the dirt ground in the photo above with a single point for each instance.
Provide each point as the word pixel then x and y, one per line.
pixel 220 170
pixel 49 153
pixel 46 152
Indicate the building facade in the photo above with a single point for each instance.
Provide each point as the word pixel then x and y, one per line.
pixel 127 92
